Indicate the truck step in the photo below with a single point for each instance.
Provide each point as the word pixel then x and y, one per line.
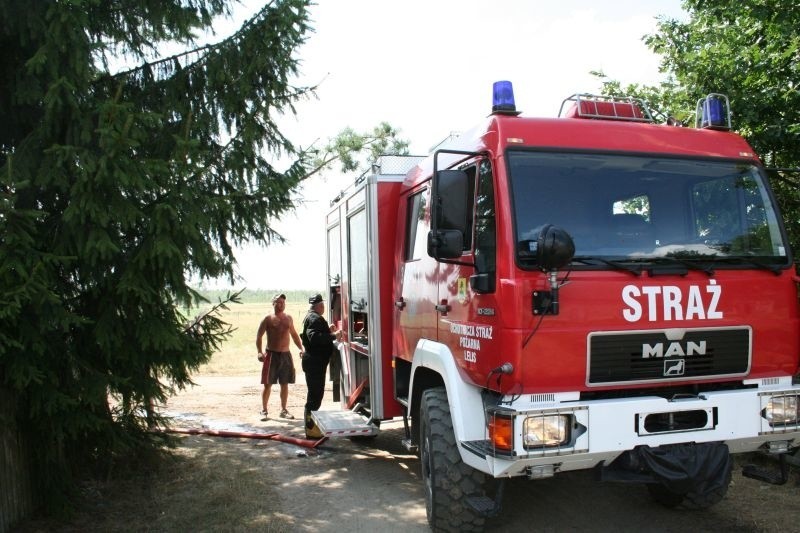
pixel 793 460
pixel 343 424
pixel 413 448
pixel 486 506
pixel 774 477
pixel 482 505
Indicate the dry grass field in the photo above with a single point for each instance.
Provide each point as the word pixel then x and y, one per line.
pixel 237 356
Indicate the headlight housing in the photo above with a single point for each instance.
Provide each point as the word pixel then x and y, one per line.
pixel 782 410
pixel 546 431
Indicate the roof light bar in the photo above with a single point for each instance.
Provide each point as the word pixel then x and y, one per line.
pixel 606 107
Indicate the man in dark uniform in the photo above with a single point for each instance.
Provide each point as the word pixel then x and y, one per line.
pixel 317 339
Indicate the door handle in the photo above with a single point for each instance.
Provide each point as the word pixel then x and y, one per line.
pixel 443 307
pixel 400 304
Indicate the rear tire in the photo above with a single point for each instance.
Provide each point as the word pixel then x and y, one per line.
pixel 448 481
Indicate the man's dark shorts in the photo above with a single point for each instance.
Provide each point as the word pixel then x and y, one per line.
pixel 279 369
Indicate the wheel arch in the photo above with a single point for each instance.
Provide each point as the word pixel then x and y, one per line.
pixel 434 366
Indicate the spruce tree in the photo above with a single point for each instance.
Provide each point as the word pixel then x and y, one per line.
pixel 117 185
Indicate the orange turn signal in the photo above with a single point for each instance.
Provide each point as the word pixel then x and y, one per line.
pixel 501 432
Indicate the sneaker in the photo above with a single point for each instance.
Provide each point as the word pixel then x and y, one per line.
pixel 264 416
pixel 286 414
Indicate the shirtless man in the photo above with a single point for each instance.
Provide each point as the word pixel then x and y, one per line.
pixel 277 366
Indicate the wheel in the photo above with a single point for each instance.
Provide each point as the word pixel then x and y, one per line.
pixel 448 481
pixel 693 499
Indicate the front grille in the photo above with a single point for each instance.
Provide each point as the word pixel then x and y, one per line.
pixel 659 355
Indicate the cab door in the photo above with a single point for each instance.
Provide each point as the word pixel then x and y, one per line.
pixel 416 290
pixel 468 310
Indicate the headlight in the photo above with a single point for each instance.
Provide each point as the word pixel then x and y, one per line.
pixel 545 431
pixel 782 410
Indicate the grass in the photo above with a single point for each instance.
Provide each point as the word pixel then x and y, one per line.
pixel 237 355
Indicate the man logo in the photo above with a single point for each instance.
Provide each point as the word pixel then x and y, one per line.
pixel 673 348
pixel 674 368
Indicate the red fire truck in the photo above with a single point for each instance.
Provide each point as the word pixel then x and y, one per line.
pixel 540 295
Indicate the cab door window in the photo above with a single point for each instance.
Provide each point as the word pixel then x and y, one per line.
pixel 416 226
pixel 485 230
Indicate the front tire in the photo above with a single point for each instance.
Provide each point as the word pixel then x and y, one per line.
pixel 448 481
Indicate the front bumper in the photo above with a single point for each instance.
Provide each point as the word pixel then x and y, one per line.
pixel 601 430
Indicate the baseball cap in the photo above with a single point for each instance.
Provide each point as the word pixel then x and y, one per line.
pixel 317 298
pixel 278 297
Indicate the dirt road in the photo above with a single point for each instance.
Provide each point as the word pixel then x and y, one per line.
pixel 375 485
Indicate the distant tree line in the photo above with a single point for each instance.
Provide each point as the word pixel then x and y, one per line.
pixel 257 296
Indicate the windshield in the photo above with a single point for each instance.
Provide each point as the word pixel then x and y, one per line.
pixel 645 209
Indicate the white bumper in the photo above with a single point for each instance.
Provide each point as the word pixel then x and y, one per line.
pixel 603 429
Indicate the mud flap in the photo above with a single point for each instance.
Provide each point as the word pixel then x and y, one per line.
pixel 700 468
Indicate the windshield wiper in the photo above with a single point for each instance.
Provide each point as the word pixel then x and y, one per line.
pixel 750 261
pixel 691 264
pixel 590 260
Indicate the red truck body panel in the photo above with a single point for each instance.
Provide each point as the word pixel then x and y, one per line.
pixel 555 358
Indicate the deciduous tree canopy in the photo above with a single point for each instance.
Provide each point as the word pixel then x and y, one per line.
pixel 751 52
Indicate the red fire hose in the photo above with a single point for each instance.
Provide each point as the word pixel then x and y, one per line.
pixel 306 443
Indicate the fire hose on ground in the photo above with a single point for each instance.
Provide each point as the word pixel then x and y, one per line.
pixel 305 443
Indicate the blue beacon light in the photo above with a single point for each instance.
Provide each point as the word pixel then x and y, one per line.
pixel 714 112
pixel 503 99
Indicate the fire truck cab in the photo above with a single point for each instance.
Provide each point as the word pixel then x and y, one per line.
pixel 542 295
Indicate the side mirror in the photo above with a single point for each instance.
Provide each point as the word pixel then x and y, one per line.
pixel 450 205
pixel 554 248
pixel 448 214
pixel 445 243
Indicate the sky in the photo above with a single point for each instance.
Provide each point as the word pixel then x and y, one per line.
pixel 427 67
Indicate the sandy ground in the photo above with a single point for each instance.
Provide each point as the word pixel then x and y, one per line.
pixel 342 485
pixel 359 486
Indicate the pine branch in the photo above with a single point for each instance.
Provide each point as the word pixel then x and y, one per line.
pixel 197 51
pixel 219 306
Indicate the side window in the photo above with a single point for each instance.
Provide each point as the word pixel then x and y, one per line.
pixel 471 171
pixel 485 231
pixel 630 224
pixel 359 277
pixel 636 205
pixel 416 225
pixel 357 244
pixel 334 255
